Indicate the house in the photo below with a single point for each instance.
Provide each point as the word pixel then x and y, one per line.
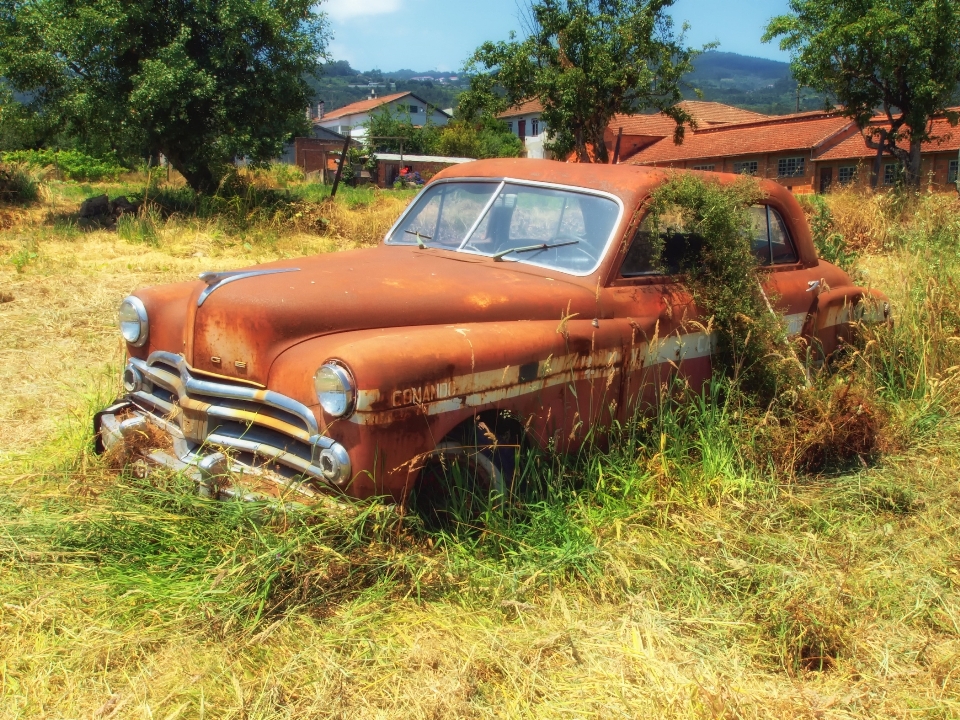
pixel 852 161
pixel 318 153
pixel 635 132
pixel 806 152
pixel 352 119
pixel 783 148
pixel 524 122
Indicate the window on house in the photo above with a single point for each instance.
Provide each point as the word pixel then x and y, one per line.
pixel 791 167
pixel 510 125
pixel 708 168
pixel 892 173
pixel 415 109
pixel 535 127
pixel 953 170
pixel 748 167
pixel 846 174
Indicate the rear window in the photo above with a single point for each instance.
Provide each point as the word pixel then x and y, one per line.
pixel 770 240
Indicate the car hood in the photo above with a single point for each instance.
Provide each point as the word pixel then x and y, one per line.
pixel 242 326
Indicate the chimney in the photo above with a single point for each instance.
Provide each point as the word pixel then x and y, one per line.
pixel 309 113
pixel 321 110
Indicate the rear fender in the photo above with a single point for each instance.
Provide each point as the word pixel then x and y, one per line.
pixel 837 313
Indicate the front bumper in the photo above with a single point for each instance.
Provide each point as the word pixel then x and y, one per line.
pixel 226 436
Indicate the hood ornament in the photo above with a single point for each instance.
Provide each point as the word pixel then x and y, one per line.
pixel 216 280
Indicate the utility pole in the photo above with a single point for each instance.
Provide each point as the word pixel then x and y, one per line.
pixel 343 159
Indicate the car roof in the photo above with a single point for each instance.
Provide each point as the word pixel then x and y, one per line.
pixel 631 183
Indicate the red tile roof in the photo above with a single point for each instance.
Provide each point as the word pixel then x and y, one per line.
pixel 714 113
pixel 801 132
pixel 527 107
pixel 363 106
pixel 658 125
pixel 855 147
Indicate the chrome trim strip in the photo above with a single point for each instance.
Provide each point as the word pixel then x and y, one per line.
pixel 481 216
pixel 186 383
pixel 216 281
pixel 268 451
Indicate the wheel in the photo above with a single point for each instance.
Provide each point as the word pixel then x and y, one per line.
pixel 468 474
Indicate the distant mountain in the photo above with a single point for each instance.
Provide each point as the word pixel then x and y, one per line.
pixel 751 83
pixel 741 70
pixel 758 84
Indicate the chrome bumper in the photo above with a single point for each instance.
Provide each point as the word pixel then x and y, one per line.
pixel 218 433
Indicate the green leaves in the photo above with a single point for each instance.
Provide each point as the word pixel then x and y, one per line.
pixel 585 60
pixel 899 56
pixel 201 82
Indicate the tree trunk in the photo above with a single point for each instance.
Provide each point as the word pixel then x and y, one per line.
pixel 912 165
pixel 199 177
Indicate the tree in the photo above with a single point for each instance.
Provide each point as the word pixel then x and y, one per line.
pixel 899 55
pixel 200 82
pixel 391 131
pixel 485 137
pixel 585 61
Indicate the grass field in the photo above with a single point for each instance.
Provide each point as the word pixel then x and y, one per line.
pixel 689 572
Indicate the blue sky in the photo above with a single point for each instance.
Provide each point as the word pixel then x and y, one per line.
pixel 440 34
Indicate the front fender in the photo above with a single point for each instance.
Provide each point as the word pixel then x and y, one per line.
pixel 416 384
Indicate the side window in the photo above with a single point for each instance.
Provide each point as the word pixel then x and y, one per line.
pixel 679 249
pixel 758 234
pixel 781 247
pixel 771 241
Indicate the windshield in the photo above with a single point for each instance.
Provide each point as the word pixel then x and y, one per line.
pixel 558 229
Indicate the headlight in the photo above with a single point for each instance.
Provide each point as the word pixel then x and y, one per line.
pixel 336 389
pixel 133 321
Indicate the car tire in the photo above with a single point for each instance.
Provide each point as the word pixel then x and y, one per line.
pixel 467 475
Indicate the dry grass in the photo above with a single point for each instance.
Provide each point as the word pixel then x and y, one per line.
pixel 775 598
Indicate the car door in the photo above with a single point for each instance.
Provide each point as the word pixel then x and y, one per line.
pixel 790 287
pixel 667 344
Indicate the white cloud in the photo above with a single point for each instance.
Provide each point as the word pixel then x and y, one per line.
pixel 347 9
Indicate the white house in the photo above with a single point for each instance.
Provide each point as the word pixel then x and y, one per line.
pixel 524 122
pixel 352 119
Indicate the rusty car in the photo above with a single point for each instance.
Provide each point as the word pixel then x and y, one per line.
pixel 512 301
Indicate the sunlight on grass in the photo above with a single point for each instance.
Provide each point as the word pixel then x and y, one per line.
pixel 686 569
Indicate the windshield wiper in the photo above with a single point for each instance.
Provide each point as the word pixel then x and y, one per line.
pixel 531 248
pixel 420 243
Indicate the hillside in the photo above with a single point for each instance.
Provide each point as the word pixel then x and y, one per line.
pixel 752 83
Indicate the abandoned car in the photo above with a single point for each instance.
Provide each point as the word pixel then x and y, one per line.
pixel 513 300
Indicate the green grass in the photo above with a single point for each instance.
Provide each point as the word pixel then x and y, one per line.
pixel 686 568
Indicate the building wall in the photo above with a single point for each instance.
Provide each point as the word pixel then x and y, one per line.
pixel 934 169
pixel 532 141
pixel 767 167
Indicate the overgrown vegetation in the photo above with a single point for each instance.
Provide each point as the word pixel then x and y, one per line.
pixel 67 164
pixel 722 274
pixel 483 137
pixel 703 563
pixel 17 185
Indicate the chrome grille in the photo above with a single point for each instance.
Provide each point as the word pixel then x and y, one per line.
pixel 249 421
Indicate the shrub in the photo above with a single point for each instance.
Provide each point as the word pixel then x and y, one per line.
pixel 831 245
pixel 69 164
pixel 17 185
pixel 724 278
